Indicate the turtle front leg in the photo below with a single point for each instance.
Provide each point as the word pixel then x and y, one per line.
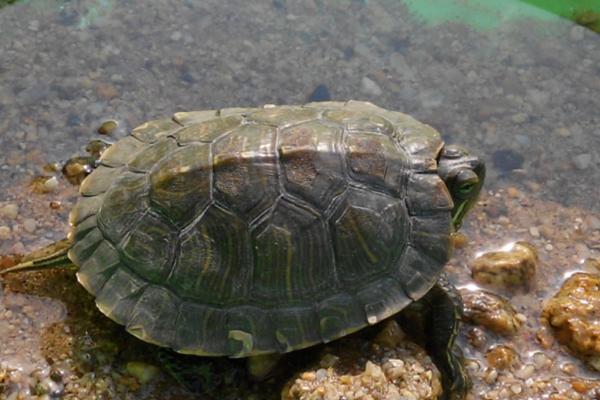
pixel 435 319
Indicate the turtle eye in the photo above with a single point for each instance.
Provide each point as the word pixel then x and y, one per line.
pixel 466 182
pixel 466 188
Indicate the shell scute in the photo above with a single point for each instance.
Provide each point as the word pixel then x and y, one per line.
pixel 214 263
pixel 292 258
pixel 201 330
pixel 207 131
pixel 340 315
pixel 282 116
pixel 418 272
pixel 99 180
pixel 382 299
pixel 374 160
pixel 194 117
pixel 121 152
pixel 119 295
pixel 180 185
pixel 426 193
pixel 369 232
pixel 250 331
pixel 85 207
pixel 123 204
pixel 151 131
pixel 149 156
pixel 149 248
pixel 154 315
pixel 361 122
pixel 430 235
pixel 95 271
pixel 295 328
pixel 245 170
pixel 312 165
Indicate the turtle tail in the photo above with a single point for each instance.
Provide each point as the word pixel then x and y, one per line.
pixel 51 257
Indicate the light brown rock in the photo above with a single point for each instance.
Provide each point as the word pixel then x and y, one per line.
pixel 510 269
pixel 491 311
pixel 574 313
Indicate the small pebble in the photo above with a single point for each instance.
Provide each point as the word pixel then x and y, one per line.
pixel 107 91
pixel 582 161
pixel 519 118
pixel 460 240
pixel 30 225
pixel 10 211
pixel 534 231
pixel 512 192
pixel 4 232
pixel 370 87
pixel 525 372
pixel 308 376
pixel 108 127
pixel 51 184
pixel 142 371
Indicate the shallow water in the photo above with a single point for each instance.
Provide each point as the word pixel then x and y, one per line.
pixel 522 93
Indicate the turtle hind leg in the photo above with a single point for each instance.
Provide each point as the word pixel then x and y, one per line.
pixel 435 320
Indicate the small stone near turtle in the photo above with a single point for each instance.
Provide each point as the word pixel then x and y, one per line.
pixel 30 225
pixel 76 169
pixel 490 311
pixel 390 335
pixel 574 313
pixel 476 337
pixel 144 372
pixel 541 360
pixel 107 91
pixel 525 372
pixel 460 240
pixel 509 269
pixel 501 357
pixel 370 87
pixel 108 127
pixel 4 232
pixel 544 337
pixel 10 211
pixel 582 161
pixel 96 147
pixel 513 192
pixel 51 184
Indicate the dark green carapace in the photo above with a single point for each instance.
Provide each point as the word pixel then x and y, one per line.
pixel 247 232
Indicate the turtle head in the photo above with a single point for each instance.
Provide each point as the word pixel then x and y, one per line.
pixel 463 174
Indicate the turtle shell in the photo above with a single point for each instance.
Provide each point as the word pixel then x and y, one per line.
pixel 246 231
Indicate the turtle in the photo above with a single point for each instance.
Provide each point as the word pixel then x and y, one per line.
pixel 255 232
